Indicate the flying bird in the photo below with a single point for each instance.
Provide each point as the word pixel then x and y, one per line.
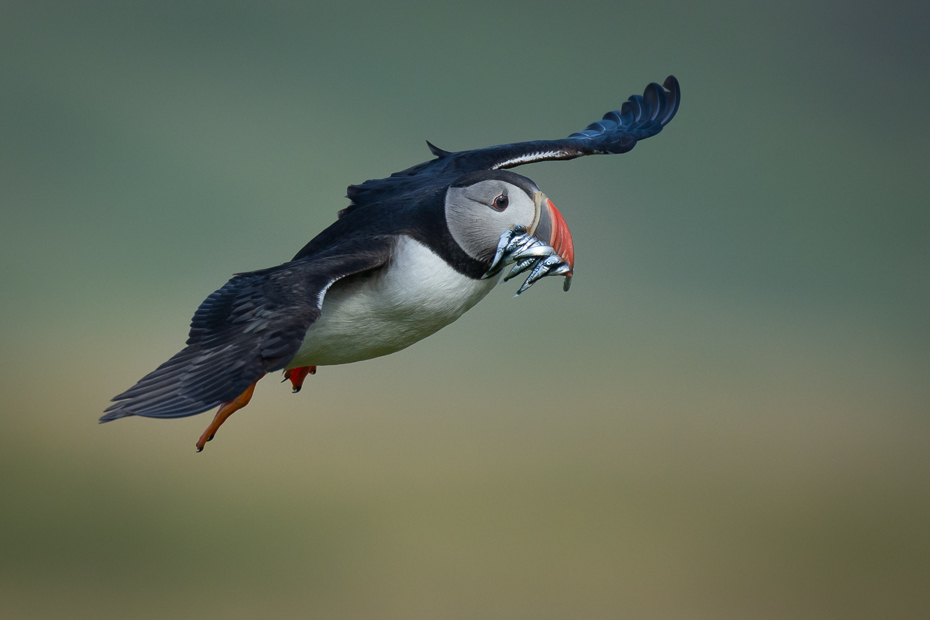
pixel 408 256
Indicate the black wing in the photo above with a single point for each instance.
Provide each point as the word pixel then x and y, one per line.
pixel 253 325
pixel 640 117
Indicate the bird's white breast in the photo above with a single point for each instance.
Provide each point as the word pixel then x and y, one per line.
pixel 363 317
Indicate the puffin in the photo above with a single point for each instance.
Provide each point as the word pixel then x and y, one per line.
pixel 410 254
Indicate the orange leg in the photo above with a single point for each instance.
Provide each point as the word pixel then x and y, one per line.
pixel 226 410
pixel 297 376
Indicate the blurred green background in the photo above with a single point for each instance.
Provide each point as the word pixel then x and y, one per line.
pixel 727 417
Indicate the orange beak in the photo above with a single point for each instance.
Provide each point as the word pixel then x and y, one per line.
pixel 553 230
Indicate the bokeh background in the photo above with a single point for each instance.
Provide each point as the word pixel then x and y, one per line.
pixel 727 417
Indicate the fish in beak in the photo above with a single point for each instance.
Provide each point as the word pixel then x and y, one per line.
pixel 546 248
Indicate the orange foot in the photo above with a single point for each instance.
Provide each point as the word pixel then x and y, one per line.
pixel 226 410
pixel 297 376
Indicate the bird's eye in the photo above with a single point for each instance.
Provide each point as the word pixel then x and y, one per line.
pixel 500 203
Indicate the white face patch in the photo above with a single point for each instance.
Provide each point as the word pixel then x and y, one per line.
pixel 475 220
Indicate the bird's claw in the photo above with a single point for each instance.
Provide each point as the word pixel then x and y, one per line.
pixel 528 252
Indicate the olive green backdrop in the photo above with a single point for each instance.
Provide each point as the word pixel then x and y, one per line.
pixel 726 418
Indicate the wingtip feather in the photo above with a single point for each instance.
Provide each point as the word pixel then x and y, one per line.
pixel 674 88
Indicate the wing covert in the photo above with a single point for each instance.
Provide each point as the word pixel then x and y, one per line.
pixel 254 324
pixel 640 117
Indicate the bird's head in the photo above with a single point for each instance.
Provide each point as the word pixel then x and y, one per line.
pixel 483 205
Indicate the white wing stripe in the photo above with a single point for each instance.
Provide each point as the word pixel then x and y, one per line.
pixel 533 157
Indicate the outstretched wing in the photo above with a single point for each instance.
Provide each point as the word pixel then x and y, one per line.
pixel 640 117
pixel 252 325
